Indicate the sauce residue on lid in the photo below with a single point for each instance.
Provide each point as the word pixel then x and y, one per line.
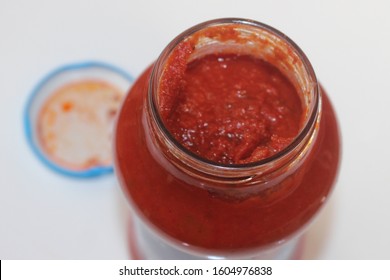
pixel 75 124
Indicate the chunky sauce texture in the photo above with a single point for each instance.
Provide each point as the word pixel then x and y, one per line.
pixel 231 109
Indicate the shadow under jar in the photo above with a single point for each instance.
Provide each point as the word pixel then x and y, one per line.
pixel 226 147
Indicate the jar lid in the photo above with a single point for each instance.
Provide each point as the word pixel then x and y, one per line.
pixel 70 114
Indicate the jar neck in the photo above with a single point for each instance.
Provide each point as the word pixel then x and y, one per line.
pixel 233 36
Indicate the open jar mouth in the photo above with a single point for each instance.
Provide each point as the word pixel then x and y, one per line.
pixel 255 39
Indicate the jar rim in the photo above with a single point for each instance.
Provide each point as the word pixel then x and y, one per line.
pixel 307 126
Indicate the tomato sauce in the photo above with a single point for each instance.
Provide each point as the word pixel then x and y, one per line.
pixel 228 109
pixel 194 216
pixel 233 109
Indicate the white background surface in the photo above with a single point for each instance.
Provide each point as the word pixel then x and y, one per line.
pixel 44 215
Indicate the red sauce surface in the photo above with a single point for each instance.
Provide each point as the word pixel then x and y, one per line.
pixel 232 109
pixel 195 216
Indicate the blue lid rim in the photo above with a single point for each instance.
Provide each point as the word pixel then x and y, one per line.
pixel 28 126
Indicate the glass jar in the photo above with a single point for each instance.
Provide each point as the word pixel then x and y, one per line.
pixel 186 206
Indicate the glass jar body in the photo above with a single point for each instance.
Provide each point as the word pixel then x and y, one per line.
pixel 177 211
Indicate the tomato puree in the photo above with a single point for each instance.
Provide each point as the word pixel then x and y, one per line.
pixel 196 217
pixel 227 108
pixel 232 109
